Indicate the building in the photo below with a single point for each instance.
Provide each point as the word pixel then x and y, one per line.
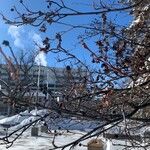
pixel 38 82
pixel 50 77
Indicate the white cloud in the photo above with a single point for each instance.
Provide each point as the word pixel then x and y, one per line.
pixel 40 59
pixel 16 34
pixel 22 38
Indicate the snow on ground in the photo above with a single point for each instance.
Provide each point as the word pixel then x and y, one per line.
pixel 44 140
pixel 14 120
pixel 22 118
pixel 19 120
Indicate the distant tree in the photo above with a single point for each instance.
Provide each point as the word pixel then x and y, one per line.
pixel 16 80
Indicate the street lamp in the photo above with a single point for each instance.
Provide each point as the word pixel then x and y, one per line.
pixel 38 84
pixel 47 84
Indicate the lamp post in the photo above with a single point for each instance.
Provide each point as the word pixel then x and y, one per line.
pixel 38 84
pixel 47 84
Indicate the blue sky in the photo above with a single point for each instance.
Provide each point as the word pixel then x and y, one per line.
pixel 22 37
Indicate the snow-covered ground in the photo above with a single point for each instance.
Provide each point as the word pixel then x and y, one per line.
pixel 44 140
